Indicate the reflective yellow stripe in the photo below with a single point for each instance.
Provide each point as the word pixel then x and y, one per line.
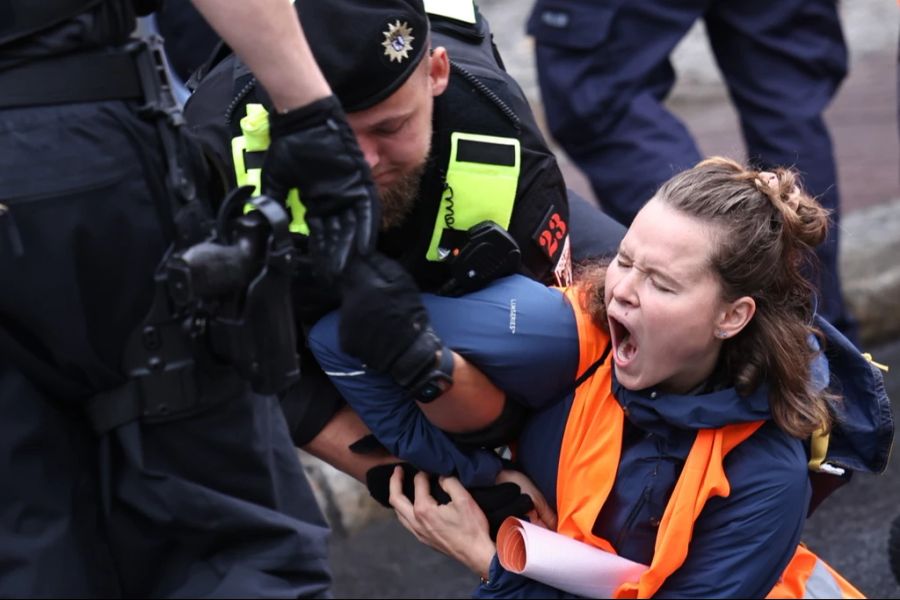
pixel 255 138
pixel 482 179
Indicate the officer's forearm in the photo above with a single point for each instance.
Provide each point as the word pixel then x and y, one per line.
pixel 266 35
pixel 470 404
pixel 332 445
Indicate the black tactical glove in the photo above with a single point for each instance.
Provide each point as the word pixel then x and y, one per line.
pixel 314 150
pixel 383 321
pixel 496 501
pixel 311 299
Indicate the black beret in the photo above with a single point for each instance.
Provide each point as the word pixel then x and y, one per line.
pixel 365 48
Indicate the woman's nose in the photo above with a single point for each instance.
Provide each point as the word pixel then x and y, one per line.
pixel 625 289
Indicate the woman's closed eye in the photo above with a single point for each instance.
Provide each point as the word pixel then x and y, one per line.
pixel 661 286
pixel 623 262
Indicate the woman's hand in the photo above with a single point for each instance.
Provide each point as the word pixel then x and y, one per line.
pixel 459 529
pixel 542 514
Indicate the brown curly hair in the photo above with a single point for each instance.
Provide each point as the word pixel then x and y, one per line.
pixel 767 229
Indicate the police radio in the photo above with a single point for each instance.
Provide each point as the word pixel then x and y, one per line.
pixel 476 257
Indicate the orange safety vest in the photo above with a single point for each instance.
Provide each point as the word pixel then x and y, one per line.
pixel 589 458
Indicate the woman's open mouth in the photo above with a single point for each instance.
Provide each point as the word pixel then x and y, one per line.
pixel 624 345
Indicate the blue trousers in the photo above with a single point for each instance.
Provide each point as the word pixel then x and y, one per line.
pixel 604 71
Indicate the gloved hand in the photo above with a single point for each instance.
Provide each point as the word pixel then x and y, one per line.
pixel 496 501
pixel 310 298
pixel 383 321
pixel 313 149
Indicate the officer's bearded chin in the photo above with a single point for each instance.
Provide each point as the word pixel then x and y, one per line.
pixel 398 199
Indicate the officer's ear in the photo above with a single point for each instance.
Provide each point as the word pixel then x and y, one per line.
pixel 438 70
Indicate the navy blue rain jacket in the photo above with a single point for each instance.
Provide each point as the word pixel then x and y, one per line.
pixel 523 336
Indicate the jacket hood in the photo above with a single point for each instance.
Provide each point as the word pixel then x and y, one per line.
pixel 864 427
pixel 657 411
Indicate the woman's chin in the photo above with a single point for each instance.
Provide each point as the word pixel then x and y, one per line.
pixel 632 377
pixel 628 378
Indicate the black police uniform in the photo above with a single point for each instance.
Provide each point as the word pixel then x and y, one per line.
pixel 481 98
pixel 213 503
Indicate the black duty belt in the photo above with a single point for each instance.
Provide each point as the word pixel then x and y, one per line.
pixel 83 77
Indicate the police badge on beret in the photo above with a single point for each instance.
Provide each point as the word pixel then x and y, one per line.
pixel 365 49
pixel 398 41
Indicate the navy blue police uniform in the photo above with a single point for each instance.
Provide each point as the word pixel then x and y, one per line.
pixel 205 502
pixel 604 70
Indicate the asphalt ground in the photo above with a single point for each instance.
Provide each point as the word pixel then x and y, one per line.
pixel 849 530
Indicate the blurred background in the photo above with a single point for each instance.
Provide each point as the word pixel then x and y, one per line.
pixel 862 119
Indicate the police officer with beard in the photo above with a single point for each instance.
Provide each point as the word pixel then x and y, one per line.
pixel 143 451
pixel 458 160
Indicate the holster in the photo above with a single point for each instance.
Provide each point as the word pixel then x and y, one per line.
pixel 221 318
pixel 171 374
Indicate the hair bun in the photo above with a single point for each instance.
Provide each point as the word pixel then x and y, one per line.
pixel 805 220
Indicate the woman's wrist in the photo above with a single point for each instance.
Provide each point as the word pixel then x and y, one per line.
pixel 480 560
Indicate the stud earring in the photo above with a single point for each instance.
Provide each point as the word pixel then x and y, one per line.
pixel 721 334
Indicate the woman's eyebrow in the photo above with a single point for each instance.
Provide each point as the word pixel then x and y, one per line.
pixel 665 277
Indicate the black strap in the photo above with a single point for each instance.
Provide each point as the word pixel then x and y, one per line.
pixel 71 78
pixel 220 52
pixel 593 368
pixel 163 396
